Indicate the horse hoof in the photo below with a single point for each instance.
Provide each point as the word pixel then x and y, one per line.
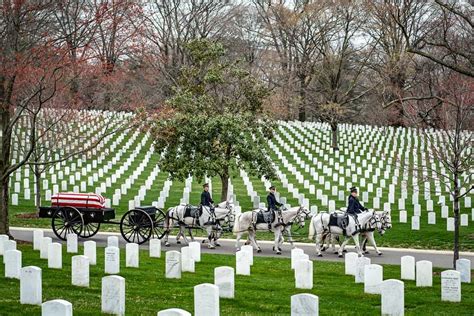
pixel 278 252
pixel 340 256
pixel 178 242
pixel 366 252
pixel 320 255
pixel 218 245
pixel 380 253
pixel 344 250
pixel 324 249
pixel 279 249
pixel 335 252
pixel 204 241
pixel 259 250
pixel 211 247
pixel 167 245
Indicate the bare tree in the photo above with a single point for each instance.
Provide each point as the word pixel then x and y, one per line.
pixel 391 59
pixel 450 145
pixel 296 31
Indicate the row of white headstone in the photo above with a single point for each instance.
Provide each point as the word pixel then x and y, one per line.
pixel 392 291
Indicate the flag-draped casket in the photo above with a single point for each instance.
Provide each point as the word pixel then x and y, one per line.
pixel 86 200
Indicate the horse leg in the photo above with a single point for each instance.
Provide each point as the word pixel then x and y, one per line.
pixel 357 244
pixel 277 233
pixel 290 239
pixel 341 248
pixel 191 234
pixel 210 237
pixel 371 238
pixel 165 237
pixel 319 240
pixel 253 240
pixel 237 241
pixel 363 244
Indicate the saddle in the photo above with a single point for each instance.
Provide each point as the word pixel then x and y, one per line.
pixel 339 220
pixel 265 217
pixel 192 211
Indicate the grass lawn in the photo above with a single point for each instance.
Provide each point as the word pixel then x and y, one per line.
pixel 428 237
pixel 266 292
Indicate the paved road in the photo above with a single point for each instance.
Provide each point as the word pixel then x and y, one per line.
pixel 442 259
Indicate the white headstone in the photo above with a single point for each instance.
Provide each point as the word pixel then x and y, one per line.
pixel 450 224
pixel 403 216
pixel 393 297
pixel 71 243
pixel 224 279
pixel 464 220
pixel 196 250
pixel 12 260
pixel 113 241
pixel 407 267
pixel 155 248
pixel 132 255
pixel 174 312
pixel 187 261
pixel 56 308
pixel 173 264
pixel 361 262
pixel 431 218
pixel 451 286
pixel 242 263
pixel 249 250
pixel 304 304
pixel 415 223
pixel 304 274
pixel 464 267
pixel 350 263
pixel 295 256
pixel 80 271
pixel 30 286
pixel 44 247
pixel 424 273
pixel 206 300
pixel 90 251
pixel 37 238
pixel 55 256
pixel 3 238
pixel 113 295
pixel 112 260
pixel 373 278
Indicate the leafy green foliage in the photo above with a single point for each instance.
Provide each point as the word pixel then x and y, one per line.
pixel 215 121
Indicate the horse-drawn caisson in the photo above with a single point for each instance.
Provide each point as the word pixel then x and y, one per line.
pixel 82 214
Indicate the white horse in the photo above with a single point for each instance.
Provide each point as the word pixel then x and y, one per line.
pixel 320 227
pixel 247 222
pixel 177 214
pixel 367 233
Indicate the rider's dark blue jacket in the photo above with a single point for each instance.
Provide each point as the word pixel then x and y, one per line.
pixel 354 206
pixel 206 199
pixel 272 203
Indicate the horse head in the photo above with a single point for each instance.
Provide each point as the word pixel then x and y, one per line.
pixel 301 216
pixel 386 220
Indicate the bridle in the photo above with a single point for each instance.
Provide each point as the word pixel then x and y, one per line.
pixel 375 222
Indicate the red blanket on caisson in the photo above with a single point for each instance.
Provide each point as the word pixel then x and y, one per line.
pixel 87 200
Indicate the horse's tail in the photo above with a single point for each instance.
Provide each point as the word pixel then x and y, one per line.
pixel 312 230
pixel 236 227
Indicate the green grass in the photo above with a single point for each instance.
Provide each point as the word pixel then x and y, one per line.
pixel 266 292
pixel 429 236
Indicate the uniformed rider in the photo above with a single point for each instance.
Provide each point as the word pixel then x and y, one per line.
pixel 272 205
pixel 206 200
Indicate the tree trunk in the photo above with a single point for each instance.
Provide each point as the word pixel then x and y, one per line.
pixel 302 107
pixel 38 188
pixel 456 220
pixel 4 200
pixel 225 187
pixel 334 132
